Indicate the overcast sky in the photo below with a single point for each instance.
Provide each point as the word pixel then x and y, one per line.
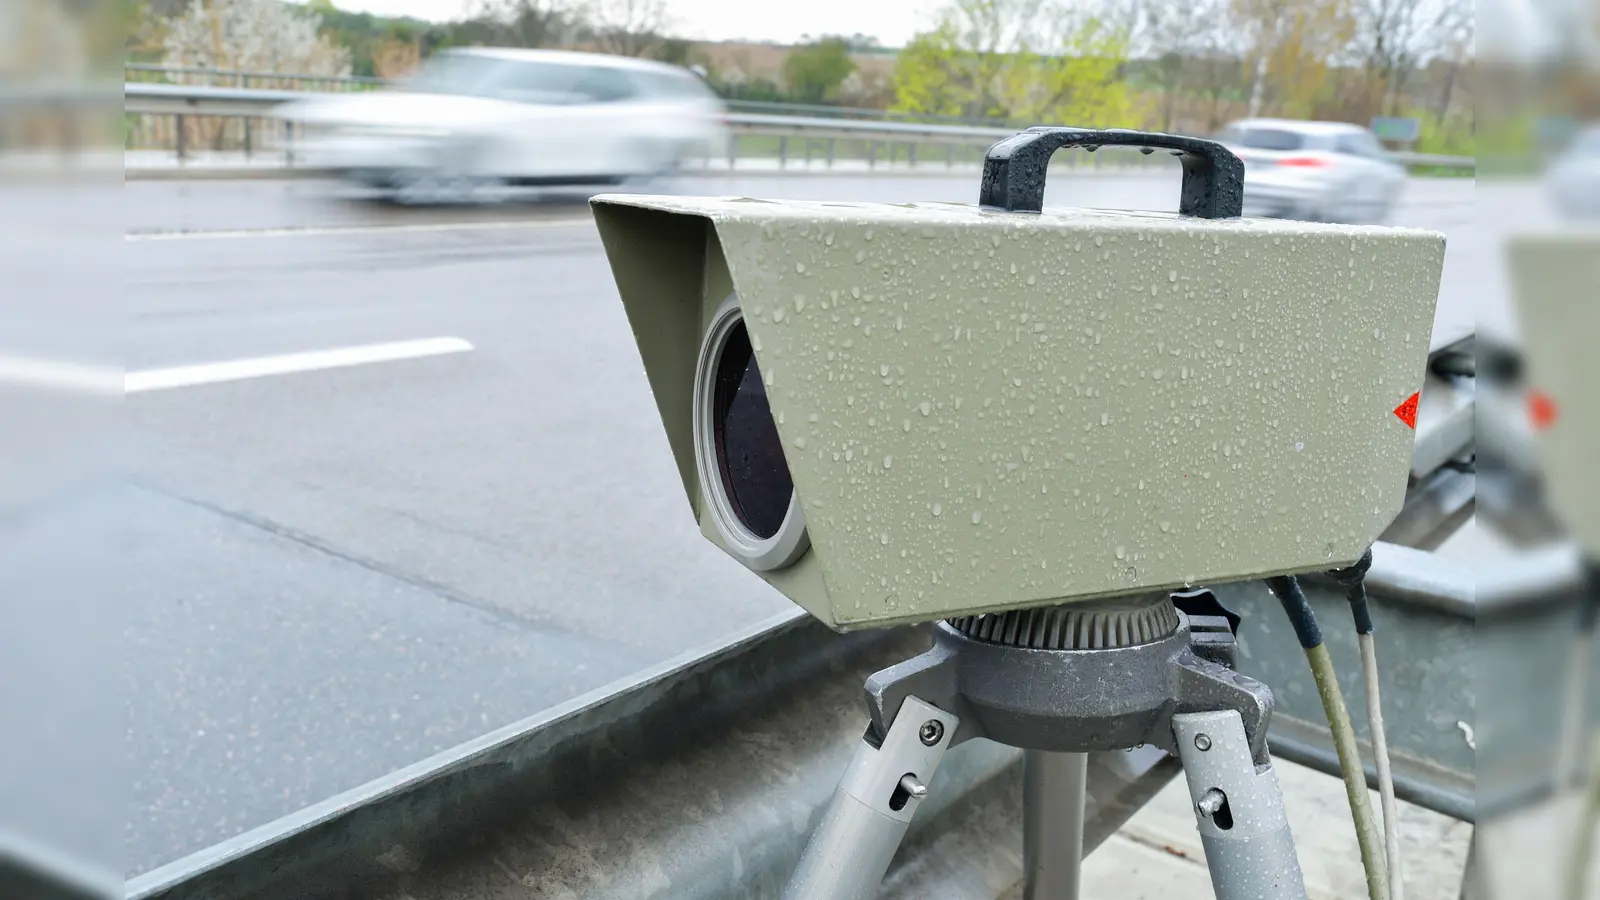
pixel 892 22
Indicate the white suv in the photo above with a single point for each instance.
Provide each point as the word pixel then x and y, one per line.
pixel 1316 171
pixel 543 117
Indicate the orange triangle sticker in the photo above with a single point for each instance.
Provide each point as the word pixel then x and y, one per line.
pixel 1541 410
pixel 1407 411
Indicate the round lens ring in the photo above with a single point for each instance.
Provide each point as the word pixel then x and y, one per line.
pixel 744 475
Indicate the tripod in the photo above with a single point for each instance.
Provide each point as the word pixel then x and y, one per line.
pixel 1058 683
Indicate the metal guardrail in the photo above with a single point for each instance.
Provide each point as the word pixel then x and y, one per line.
pixel 181 101
pixel 40 871
pixel 241 78
pixel 1433 160
pixel 727 755
pixel 201 100
pixel 143 98
pixel 1425 614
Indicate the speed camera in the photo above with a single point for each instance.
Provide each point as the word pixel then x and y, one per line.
pixel 901 412
pixel 1554 276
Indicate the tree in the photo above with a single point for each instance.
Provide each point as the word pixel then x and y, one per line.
pixel 628 27
pixel 1458 36
pixel 518 23
pixel 143 30
pixel 397 53
pixel 1216 71
pixel 677 51
pixel 814 72
pixel 1291 45
pixel 45 39
pixel 1032 61
pixel 1175 32
pixel 1394 37
pixel 253 35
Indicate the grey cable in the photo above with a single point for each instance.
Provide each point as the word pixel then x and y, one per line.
pixel 1380 752
pixel 1582 850
pixel 1287 589
pixel 1355 780
pixel 1354 579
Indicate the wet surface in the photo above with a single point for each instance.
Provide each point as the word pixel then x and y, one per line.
pixel 339 572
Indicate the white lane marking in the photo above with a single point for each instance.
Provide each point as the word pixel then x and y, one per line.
pixel 322 230
pixel 58 375
pixel 289 363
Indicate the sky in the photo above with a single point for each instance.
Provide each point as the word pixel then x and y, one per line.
pixel 892 22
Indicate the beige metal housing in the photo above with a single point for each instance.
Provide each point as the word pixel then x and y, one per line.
pixel 1556 277
pixel 985 410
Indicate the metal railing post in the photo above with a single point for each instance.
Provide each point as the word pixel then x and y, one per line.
pixel 830 152
pixel 783 151
pixel 181 139
pixel 288 143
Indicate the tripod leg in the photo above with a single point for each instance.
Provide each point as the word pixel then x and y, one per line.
pixel 1239 810
pixel 1053 790
pixel 857 838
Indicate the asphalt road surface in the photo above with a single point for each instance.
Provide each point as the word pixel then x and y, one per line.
pixel 337 572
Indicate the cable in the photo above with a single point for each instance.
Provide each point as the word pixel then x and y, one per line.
pixel 1295 605
pixel 1380 752
pixel 1575 714
pixel 1579 856
pixel 1354 580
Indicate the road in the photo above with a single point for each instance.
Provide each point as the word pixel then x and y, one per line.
pixel 338 572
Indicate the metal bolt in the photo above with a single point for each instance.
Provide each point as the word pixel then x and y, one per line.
pixel 1211 802
pixel 1202 742
pixel 912 786
pixel 932 732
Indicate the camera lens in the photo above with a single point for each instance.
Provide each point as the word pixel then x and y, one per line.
pixel 744 476
pixel 750 457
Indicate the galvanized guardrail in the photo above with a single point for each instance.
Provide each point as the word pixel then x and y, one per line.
pixel 144 98
pixel 241 78
pixel 787 137
pixel 245 79
pixel 728 754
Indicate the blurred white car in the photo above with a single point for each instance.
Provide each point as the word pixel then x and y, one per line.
pixel 471 117
pixel 1574 177
pixel 1315 171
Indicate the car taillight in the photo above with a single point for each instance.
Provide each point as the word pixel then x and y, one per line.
pixel 1303 162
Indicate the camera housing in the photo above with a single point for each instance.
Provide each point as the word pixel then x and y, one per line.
pixel 982 409
pixel 1554 277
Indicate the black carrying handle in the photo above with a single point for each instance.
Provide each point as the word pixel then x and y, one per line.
pixel 1014 169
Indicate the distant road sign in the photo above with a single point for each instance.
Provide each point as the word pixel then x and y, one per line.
pixel 1399 129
